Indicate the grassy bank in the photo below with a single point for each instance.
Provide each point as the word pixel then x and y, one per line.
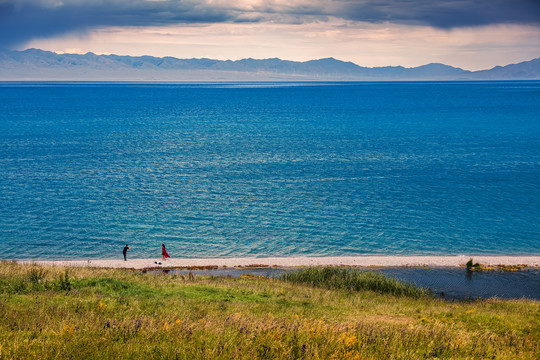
pixel 46 312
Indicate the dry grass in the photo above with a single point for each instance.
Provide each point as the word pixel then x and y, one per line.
pixel 106 314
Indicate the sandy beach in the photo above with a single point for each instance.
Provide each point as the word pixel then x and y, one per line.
pixel 287 262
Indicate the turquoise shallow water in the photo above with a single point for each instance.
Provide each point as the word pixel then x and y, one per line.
pixel 215 170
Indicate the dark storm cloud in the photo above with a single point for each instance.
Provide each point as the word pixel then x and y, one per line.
pixel 445 14
pixel 23 20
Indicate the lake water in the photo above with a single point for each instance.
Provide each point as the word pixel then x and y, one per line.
pixel 447 282
pixel 272 169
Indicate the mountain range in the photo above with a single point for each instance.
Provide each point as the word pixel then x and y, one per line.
pixel 39 65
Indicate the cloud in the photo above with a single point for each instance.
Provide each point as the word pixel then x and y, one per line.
pixel 443 14
pixel 24 20
pixel 21 21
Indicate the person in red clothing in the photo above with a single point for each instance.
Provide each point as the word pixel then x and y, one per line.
pixel 164 254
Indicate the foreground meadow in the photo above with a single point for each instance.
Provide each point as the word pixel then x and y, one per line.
pixel 83 313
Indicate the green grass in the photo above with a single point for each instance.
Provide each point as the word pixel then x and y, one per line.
pixel 48 313
pixel 352 279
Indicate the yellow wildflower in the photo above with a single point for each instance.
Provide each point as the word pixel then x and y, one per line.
pixel 68 329
pixel 352 355
pixel 349 340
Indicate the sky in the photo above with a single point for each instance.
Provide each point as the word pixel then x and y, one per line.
pixel 471 34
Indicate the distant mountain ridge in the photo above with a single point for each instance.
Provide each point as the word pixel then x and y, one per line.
pixel 35 64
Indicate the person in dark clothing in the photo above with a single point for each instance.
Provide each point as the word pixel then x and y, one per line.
pixel 126 248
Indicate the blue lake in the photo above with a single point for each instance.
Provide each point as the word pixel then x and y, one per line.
pixel 271 169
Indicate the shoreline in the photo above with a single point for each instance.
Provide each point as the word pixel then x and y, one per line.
pixel 291 262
